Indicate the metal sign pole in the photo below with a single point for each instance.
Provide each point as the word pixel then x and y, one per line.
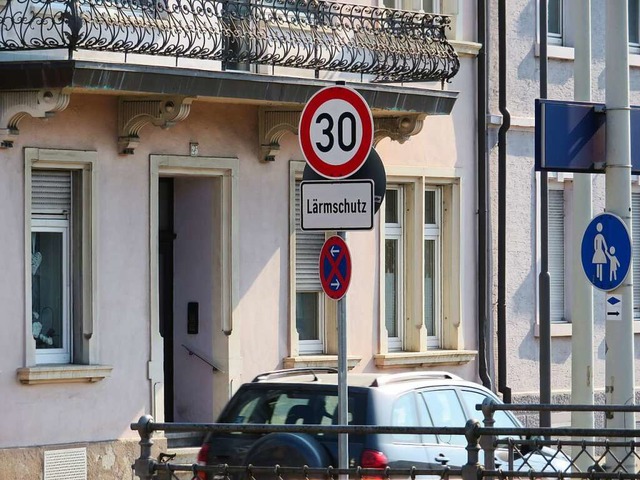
pixel 619 356
pixel 343 399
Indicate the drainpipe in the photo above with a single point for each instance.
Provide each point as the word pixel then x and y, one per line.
pixel 544 279
pixel 484 278
pixel 502 201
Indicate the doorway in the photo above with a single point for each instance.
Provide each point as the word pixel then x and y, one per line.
pixel 166 237
pixel 193 234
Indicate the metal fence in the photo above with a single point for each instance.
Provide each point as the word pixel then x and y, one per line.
pixel 491 451
pixel 390 45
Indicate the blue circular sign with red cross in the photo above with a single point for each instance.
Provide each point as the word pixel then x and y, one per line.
pixel 335 267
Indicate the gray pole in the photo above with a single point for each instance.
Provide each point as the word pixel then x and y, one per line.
pixel 619 367
pixel 581 213
pixel 544 277
pixel 343 399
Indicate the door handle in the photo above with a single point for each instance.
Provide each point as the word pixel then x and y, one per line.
pixel 441 459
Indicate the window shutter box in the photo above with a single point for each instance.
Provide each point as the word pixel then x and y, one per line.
pixel 50 192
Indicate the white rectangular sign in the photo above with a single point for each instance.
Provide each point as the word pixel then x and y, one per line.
pixel 336 205
pixel 613 307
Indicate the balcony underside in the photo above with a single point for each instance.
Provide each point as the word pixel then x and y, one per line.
pixel 227 86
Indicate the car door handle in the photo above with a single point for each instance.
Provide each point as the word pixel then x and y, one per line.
pixel 441 459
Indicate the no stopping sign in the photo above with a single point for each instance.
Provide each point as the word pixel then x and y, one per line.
pixel 336 132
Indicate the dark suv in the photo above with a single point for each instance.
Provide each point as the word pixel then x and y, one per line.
pixel 310 397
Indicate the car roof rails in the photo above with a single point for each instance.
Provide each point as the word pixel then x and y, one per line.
pixel 412 376
pixel 288 372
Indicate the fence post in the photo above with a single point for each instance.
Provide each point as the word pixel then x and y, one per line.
pixel 487 442
pixel 144 465
pixel 471 469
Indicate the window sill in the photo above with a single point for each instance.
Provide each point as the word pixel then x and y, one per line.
pixel 318 361
pixel 557 52
pixel 469 49
pixel 424 359
pixel 557 329
pixel 63 374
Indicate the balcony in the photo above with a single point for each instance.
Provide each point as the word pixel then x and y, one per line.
pixel 378 44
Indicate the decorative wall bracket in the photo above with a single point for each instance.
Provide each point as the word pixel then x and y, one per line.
pixel 274 123
pixel 136 112
pixel 399 129
pixel 14 106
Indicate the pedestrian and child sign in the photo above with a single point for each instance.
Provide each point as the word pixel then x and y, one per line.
pixel 606 251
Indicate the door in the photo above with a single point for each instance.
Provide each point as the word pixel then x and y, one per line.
pixel 166 237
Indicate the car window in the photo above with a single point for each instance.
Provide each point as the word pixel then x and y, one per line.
pixel 445 410
pixel 473 398
pixel 287 406
pixel 426 421
pixel 405 414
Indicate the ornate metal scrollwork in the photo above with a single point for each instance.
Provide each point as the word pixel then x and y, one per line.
pixel 389 45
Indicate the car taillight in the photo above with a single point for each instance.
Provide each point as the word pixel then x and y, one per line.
pixel 202 458
pixel 373 459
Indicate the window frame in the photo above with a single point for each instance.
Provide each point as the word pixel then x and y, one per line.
pixel 557 38
pixel 555 180
pixel 432 232
pixel 59 355
pixel 395 231
pixel 634 47
pixel 307 352
pixel 82 306
pixel 416 350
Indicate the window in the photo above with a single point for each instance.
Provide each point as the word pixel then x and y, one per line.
pixel 50 265
pixel 432 255
pixel 634 24
pixel 635 235
pixel 309 314
pixel 556 235
pixel 445 410
pixel 59 240
pixel 393 261
pixel 396 240
pixel 555 31
pixel 405 414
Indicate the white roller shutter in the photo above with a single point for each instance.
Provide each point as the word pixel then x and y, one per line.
pixel 635 234
pixel 556 254
pixel 308 246
pixel 50 192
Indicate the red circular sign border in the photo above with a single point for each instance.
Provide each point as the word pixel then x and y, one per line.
pixel 356 100
pixel 324 252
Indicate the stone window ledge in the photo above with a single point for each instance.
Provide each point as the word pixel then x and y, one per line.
pixel 318 361
pixel 63 374
pixel 424 359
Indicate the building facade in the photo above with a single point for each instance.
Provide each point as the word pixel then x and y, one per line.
pixel 523 194
pixel 153 259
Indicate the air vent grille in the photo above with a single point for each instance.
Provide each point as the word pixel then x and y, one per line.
pixel 68 464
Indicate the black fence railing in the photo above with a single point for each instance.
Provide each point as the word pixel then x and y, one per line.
pixel 389 45
pixel 491 451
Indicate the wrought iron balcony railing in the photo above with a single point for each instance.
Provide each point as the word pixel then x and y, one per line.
pixel 389 45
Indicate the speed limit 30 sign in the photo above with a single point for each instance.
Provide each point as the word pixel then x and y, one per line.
pixel 336 132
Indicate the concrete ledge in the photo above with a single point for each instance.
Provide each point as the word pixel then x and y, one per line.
pixel 424 359
pixel 318 361
pixel 63 374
